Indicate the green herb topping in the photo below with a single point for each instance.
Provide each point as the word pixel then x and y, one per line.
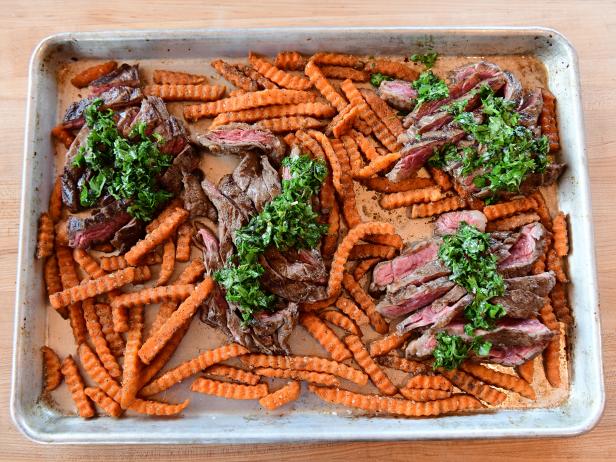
pixel 427 59
pixel 429 88
pixel 452 350
pixel 288 221
pixel 119 167
pixel 376 79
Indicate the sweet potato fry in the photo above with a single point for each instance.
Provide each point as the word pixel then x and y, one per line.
pixel 278 76
pixel 548 318
pixel 88 263
pixel 311 144
pixel 391 68
pixel 290 139
pixel 99 341
pixel 402 364
pixel 236 92
pixel 321 378
pixel 114 340
pixel 527 370
pixel 352 311
pixel 554 263
pixel 319 304
pixel 436 208
pixel 52 376
pixel 233 373
pixel 473 386
pixel 343 73
pixel 361 251
pixel 173 293
pixel 547 120
pixel 341 320
pixel 379 164
pixel 330 240
pixel 551 362
pixel 92 73
pixel 234 75
pixel 262 82
pixel 542 209
pixel 92 288
pixel 316 109
pixel 45 239
pixel 344 249
pixel 500 379
pixel 352 150
pixel 386 405
pixel 290 124
pixel 383 111
pixel 539 265
pixel 247 101
pixel 385 186
pixel 132 365
pixel 51 274
pixel 332 158
pixel 364 360
pixel 182 250
pixel 172 205
pixel 414 196
pixel 441 178
pixel 424 394
pixel 63 135
pixel 168 265
pixel 55 201
pixel 113 263
pixel 103 401
pixel 68 273
pixel 365 301
pixel 561 235
pixel 229 390
pixel 104 248
pixel 325 336
pixel 363 267
pixel 157 236
pixel 290 392
pixel 337 59
pixel 349 203
pixel 77 323
pixel 366 146
pixel 388 343
pixel 506 209
pixel 513 222
pixel 174 92
pixel 157 408
pixel 161 77
pixel 75 384
pixel 392 240
pixel 325 88
pixel 290 60
pixel 119 315
pixel 560 305
pixel 343 122
pixel 306 363
pixel 435 382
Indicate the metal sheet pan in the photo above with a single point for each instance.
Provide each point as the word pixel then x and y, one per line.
pixel 221 421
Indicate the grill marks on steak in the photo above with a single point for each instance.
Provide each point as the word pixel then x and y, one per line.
pixel 154 114
pixel 398 93
pixel 528 247
pixel 125 75
pixel 99 227
pixel 113 98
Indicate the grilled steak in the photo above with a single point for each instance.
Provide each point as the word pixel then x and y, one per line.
pixel 482 69
pixel 448 223
pixel 125 75
pixel 520 303
pixel 232 191
pixel 186 161
pixel 526 250
pixel 128 235
pixel 431 270
pixel 270 332
pixel 71 175
pixel 530 109
pixel 513 88
pixel 99 227
pixel 411 298
pixel 540 284
pixel 439 313
pixel 501 243
pixel 208 243
pixel 113 98
pixel 299 265
pixel 398 93
pixel 257 179
pixel 535 180
pixel 195 200
pixel 125 120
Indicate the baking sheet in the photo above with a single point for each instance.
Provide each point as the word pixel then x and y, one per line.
pixel 210 419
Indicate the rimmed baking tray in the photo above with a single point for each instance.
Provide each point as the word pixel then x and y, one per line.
pixel 223 422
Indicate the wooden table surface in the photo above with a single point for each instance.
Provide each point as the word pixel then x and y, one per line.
pixel 590 25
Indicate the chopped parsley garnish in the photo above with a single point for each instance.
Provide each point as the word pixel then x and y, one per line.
pixel 427 59
pixel 378 78
pixel 121 168
pixel 429 88
pixel 452 350
pixel 288 221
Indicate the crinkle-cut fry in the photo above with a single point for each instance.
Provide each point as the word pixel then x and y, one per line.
pixel 362 126
pixel 311 144
pixel 561 235
pixel 330 240
pixel 142 274
pixel 340 320
pixel 361 251
pixel 548 318
pixel 161 76
pixel 101 398
pixel 92 288
pixel 172 293
pixel 157 236
pixel 234 75
pixel 364 300
pixel 513 222
pixel 175 203
pixel 247 101
pixel 290 124
pixel 363 267
pixel 344 249
pixel 119 315
pixel 173 92
pixel 192 366
pixel 149 407
pixel 356 162
pixel 349 308
pixel 414 196
pixel 402 364
pixel 306 363
pixel 234 374
pixel 332 158
pixel 343 73
pixel 168 264
pixel 68 273
pixel 500 379
pixel 290 60
pixel 165 310
pixel 261 81
pixel 325 88
pixel 314 109
pixel 92 73
pixel 379 129
pixel 88 263
pixel 325 336
pixel 55 201
pixel 436 208
pixel 388 343
pixel 278 76
pixel 182 250
pixel 547 120
pixel 506 209
pixel 554 264
pixel 45 238
pixel 551 362
pixel 337 59
pixel 383 111
pixel 435 382
pixel 114 340
pixel 76 386
pixel 99 341
pixel 561 308
pixel 441 178
pixel 539 265
pixel 63 135
pixel 229 390
pixel 132 365
pixel 290 392
pixel 473 386
pixel 526 370
pixel 392 240
pixel 349 203
pixel 379 164
pixel 384 185
pixel 378 377
pixel 321 378
pixel 51 369
pixel 424 394
pixel 77 323
pixel 395 406
pixel 118 262
pixel 542 209
pixel 343 122
pixel 53 283
pixel 393 69
pixel 366 146
pixel 319 304
pixel 236 92
pixel 290 139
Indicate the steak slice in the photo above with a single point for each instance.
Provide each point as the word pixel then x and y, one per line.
pixel 535 180
pixel 99 227
pixel 530 109
pixel 431 270
pixel 540 284
pixel 128 235
pixel 501 243
pixel 237 138
pixel 232 191
pixel 125 120
pixel 298 265
pixel 411 298
pixel 513 88
pixel 207 241
pixel 195 200
pixel 520 303
pixel 257 179
pixel 528 247
pixel 113 98
pixel 289 289
pixel 125 75
pixel 439 313
pixel 154 114
pixel 70 174
pixel 398 93
pixel 186 161
pixel 270 332
pixel 482 69
pixel 448 223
